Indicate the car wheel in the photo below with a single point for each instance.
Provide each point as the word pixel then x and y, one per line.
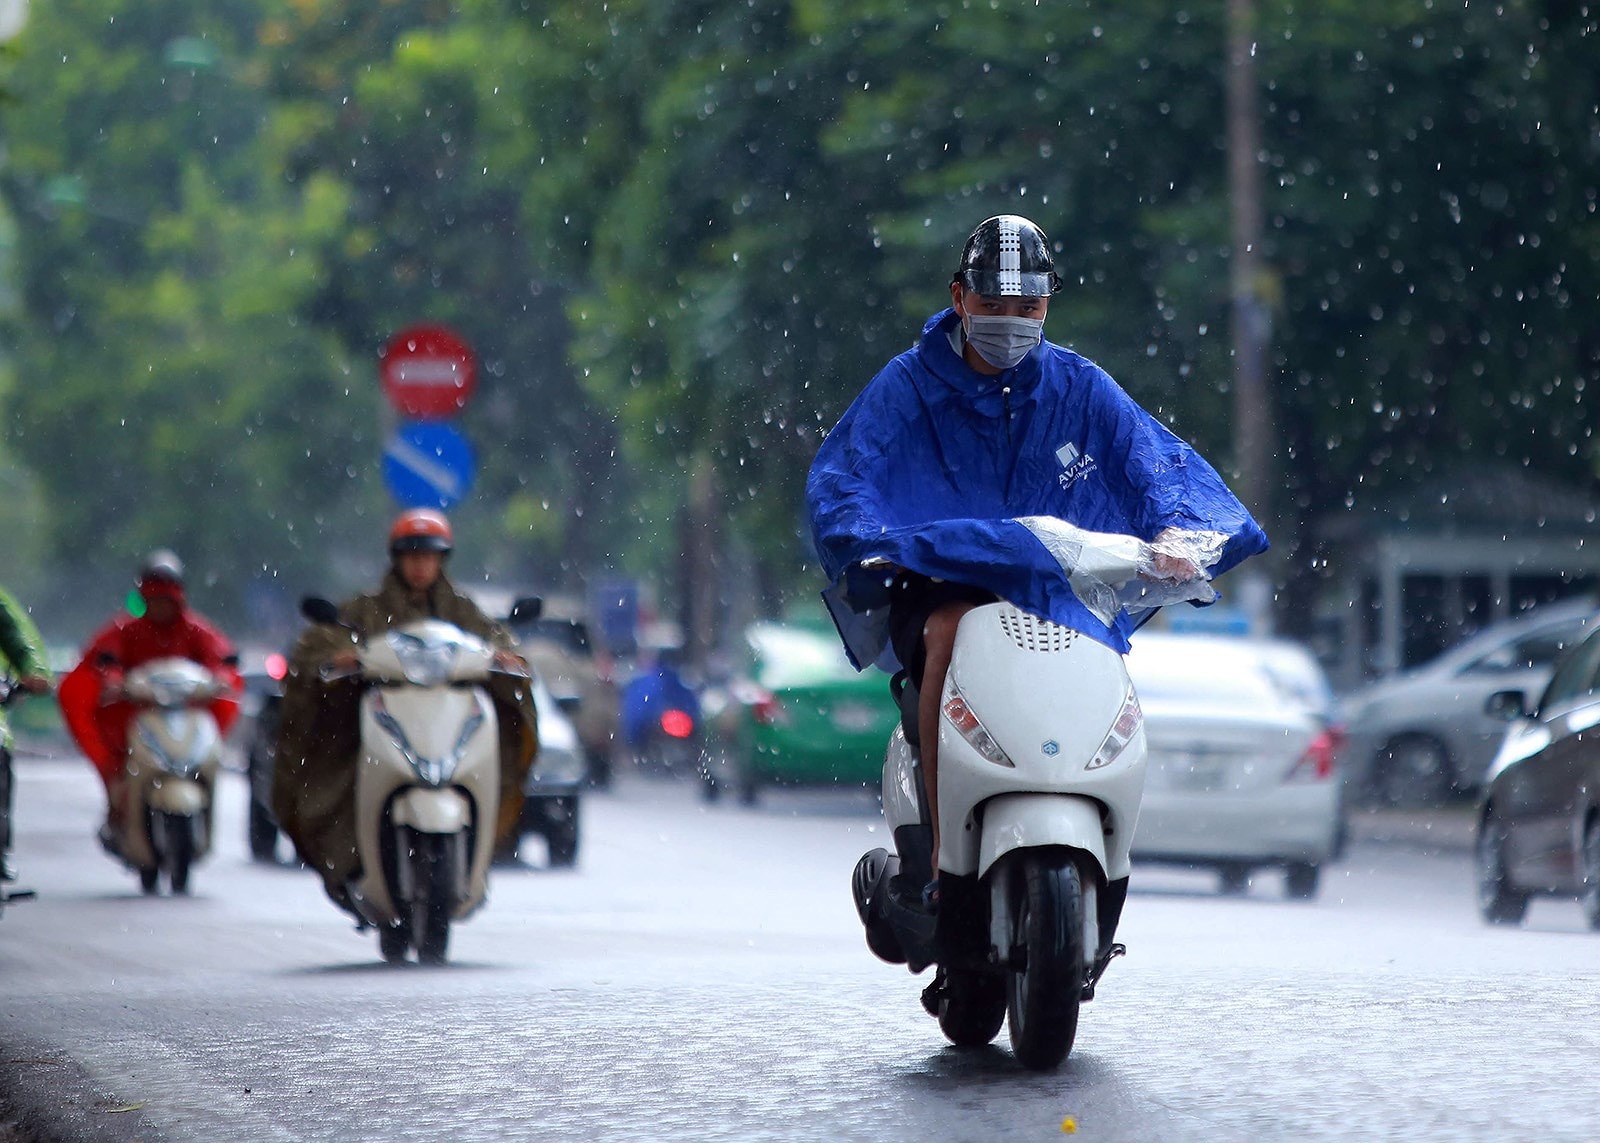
pixel 1233 879
pixel 1413 771
pixel 1300 880
pixel 263 833
pixel 600 768
pixel 1590 899
pixel 1500 901
pixel 710 788
pixel 563 834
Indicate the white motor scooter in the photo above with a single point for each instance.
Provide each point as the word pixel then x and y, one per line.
pixel 1041 769
pixel 174 751
pixel 428 779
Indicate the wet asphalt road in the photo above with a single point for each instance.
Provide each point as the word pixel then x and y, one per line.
pixel 701 976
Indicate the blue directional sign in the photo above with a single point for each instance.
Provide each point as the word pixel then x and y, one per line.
pixel 428 464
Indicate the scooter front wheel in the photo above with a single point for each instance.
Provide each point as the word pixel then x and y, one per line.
pixel 394 941
pixel 178 845
pixel 434 903
pixel 1045 989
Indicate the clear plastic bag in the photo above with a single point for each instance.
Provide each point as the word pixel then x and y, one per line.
pixel 1110 572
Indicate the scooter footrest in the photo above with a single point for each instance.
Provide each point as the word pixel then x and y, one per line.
pixel 869 885
pixel 1098 969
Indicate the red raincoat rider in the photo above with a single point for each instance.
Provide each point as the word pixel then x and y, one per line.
pixel 91 695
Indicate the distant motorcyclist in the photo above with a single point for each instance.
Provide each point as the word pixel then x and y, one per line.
pixel 23 652
pixel 658 691
pixel 314 777
pixel 92 703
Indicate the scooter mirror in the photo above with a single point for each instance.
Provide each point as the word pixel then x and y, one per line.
pixel 526 610
pixel 319 610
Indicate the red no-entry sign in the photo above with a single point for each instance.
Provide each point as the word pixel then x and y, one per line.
pixel 428 372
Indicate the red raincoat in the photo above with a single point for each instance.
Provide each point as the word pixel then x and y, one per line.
pixel 123 644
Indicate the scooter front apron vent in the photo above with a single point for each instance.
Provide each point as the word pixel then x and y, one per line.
pixel 1031 633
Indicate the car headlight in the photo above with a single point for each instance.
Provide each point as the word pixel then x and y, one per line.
pixel 557 765
pixel 1523 740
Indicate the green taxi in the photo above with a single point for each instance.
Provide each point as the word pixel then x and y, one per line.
pixel 798 715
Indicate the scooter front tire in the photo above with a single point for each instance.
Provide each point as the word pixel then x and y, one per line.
pixel 1043 993
pixel 394 942
pixel 178 838
pixel 435 902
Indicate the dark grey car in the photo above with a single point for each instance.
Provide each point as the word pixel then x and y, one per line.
pixel 1539 817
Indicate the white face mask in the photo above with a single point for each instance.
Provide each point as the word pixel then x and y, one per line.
pixel 1003 341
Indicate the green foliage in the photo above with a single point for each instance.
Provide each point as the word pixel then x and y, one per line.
pixel 684 233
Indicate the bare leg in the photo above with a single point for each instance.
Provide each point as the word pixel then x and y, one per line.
pixel 939 639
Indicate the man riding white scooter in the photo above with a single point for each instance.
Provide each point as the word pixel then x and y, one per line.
pixel 314 779
pixel 921 497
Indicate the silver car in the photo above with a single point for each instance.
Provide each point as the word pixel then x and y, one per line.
pixel 553 789
pixel 1243 768
pixel 1420 736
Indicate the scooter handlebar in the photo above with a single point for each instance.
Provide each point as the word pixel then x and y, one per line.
pixel 1110 572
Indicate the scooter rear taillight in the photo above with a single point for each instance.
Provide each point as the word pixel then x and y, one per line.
pixel 967 725
pixel 767 710
pixel 677 723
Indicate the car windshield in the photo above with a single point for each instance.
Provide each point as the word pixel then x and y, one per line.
pixel 1220 674
pixel 1576 674
pixel 788 657
pixel 1538 649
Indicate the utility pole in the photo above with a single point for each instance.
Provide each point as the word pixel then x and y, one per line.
pixel 1251 317
pixel 701 562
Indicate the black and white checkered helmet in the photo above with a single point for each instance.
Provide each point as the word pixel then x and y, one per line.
pixel 1008 257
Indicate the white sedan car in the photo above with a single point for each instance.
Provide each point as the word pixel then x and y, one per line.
pixel 1243 758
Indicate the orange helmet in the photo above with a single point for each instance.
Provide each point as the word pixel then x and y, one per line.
pixel 420 530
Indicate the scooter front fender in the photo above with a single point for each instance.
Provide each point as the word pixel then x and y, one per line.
pixel 177 796
pixel 432 811
pixel 1029 821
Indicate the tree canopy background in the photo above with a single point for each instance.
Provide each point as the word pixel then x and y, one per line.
pixel 682 235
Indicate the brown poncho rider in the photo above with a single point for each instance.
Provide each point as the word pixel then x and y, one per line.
pixel 314 778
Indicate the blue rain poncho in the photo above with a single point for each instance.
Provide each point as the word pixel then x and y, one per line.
pixel 942 470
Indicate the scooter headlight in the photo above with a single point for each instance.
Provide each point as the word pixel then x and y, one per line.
pixel 1129 719
pixel 424 664
pixel 179 764
pixel 431 772
pixel 959 714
